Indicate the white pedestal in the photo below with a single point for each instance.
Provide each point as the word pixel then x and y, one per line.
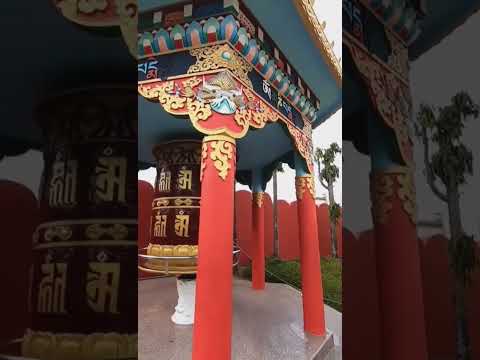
pixel 185 309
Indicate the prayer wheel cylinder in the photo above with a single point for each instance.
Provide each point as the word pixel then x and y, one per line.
pixel 82 302
pixel 176 206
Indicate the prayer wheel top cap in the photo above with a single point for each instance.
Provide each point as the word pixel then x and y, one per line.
pixel 162 145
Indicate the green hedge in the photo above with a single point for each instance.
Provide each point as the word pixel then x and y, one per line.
pixel 278 271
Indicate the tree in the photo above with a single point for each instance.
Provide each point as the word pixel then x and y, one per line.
pixel 328 174
pixel 276 244
pixel 450 164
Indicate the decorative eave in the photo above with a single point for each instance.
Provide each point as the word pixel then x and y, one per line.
pixel 316 31
pixel 189 35
pixel 104 14
pixel 401 17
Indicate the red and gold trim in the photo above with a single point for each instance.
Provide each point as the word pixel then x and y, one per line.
pixel 392 191
pixel 104 13
pixel 219 151
pixel 389 92
pixel 96 346
pixel 258 199
pixel 304 183
pixel 177 96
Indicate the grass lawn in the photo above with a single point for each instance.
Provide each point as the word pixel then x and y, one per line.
pixel 289 272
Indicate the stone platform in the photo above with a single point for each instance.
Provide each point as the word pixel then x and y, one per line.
pixel 267 325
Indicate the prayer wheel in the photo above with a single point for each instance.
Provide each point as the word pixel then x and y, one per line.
pixel 84 251
pixel 176 207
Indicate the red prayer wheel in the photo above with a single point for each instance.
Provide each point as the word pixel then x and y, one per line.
pixel 84 251
pixel 176 207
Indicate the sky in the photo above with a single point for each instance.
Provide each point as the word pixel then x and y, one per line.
pixel 330 131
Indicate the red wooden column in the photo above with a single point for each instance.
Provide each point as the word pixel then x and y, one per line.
pixel 398 265
pixel 258 232
pixel 212 330
pixel 313 308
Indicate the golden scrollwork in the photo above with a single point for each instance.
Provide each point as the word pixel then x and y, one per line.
pixel 249 109
pixel 258 117
pixel 222 152
pixel 172 250
pixel 407 194
pixel 381 192
pixel 258 198
pixel 183 201
pixel 61 232
pixel 390 96
pixel 386 185
pixel 161 202
pixel 198 111
pixel 220 56
pixel 203 160
pixel 316 30
pixel 96 346
pixel 104 13
pixel 304 183
pixel 398 58
pixel 115 231
pixel 303 143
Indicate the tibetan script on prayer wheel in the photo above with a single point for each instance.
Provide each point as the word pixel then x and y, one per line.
pixel 176 204
pixel 84 261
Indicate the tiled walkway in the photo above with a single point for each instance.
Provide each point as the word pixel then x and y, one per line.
pixel 267 324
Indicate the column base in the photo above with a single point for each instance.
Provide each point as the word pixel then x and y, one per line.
pixel 185 309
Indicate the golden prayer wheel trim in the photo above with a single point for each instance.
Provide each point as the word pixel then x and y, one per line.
pixel 172 259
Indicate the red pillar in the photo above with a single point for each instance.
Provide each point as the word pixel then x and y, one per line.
pixel 258 232
pixel 398 266
pixel 313 308
pixel 212 330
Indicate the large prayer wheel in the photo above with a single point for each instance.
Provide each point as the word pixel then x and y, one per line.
pixel 84 251
pixel 176 207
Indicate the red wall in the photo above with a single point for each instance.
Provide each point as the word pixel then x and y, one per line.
pixel 361 316
pixel 145 198
pixel 268 209
pixel 323 224
pixel 288 231
pixel 243 224
pixel 473 308
pixel 20 217
pixel 437 287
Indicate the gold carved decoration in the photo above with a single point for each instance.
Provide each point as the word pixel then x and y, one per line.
pixel 316 30
pixel 258 198
pixel 222 152
pixel 193 96
pixel 220 56
pixel 60 231
pixel 203 161
pixel 381 190
pixel 304 183
pixel 104 13
pixel 172 250
pixel 385 185
pixel 390 97
pixel 185 201
pixel 303 143
pixel 407 194
pixel 96 346
pixel 115 232
pixel 398 58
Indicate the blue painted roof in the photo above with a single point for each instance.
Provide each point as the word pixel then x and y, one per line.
pixel 443 17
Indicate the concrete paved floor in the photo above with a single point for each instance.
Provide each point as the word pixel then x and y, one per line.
pixel 267 325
